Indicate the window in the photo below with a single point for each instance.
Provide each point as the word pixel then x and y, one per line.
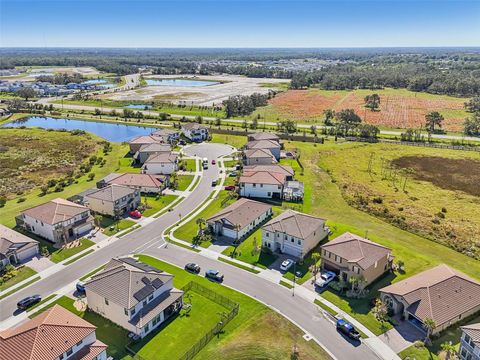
pixel 125 311
pixel 299 242
pixel 150 297
pixel 132 311
pixel 261 185
pixel 79 343
pixel 144 302
pixel 292 240
pixel 69 352
pixel 147 327
pixel 106 301
pixel 267 234
pixel 60 357
pixel 254 185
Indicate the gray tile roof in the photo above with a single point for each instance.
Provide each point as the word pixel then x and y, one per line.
pixel 473 330
pixel 155 147
pixel 111 193
pixel 263 144
pixel 242 212
pixel 155 307
pixel 162 158
pixel 263 136
pixel 296 224
pixel 11 239
pixel 55 211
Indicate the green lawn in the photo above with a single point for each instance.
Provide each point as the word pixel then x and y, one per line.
pixel 230 163
pixel 125 166
pixel 154 205
pixel 112 335
pixel 64 253
pixel 183 181
pixel 190 165
pixel 111 227
pixel 23 273
pixel 234 140
pixel 179 334
pixel 257 332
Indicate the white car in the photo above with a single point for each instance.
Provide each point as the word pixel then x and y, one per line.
pixel 286 264
pixel 325 278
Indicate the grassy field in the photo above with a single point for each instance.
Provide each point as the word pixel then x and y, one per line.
pixel 240 339
pixel 399 108
pixel 64 253
pixel 190 164
pixel 154 205
pixel 22 274
pixel 183 181
pixel 111 227
pixel 235 141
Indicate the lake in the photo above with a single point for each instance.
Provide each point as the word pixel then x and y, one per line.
pixel 101 82
pixel 180 82
pixel 138 106
pixel 108 131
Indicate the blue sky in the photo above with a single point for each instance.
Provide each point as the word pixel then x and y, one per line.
pixel 230 23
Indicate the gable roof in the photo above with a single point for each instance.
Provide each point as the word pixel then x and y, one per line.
pixel 162 158
pixel 440 293
pixel 55 211
pixel 111 193
pixel 46 336
pixel 241 212
pixel 262 177
pixel 274 168
pixel 263 144
pixel 144 139
pixel 155 147
pixel 11 239
pixel 263 136
pixel 260 154
pixel 126 282
pixel 193 126
pixel 473 330
pixel 138 180
pixel 294 223
pixel 356 249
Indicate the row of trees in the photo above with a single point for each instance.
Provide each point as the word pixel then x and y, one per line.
pixel 240 105
pixel 472 123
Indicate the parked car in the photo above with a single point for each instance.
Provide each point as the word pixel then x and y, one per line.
pixel 230 187
pixel 28 301
pixel 325 278
pixel 80 286
pixel 213 162
pixel 214 275
pixel 286 264
pixel 238 166
pixel 232 174
pixel 214 183
pixel 346 328
pixel 135 214
pixel 192 267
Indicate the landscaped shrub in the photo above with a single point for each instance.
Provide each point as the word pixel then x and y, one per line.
pixel 20 200
pixel 90 176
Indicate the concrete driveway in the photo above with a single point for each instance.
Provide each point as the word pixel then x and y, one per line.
pixel 402 336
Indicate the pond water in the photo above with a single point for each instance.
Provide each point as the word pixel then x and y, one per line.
pixel 108 131
pixel 138 106
pixel 101 82
pixel 180 82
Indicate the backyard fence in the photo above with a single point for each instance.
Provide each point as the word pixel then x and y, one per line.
pixel 219 299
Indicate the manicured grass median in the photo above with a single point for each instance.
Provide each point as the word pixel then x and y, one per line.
pixel 64 253
pixel 183 181
pixel 154 205
pixel 111 226
pixel 22 274
pixel 240 266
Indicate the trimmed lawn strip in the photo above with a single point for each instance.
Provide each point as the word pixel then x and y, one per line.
pixel 230 163
pixel 111 226
pixel 91 273
pixel 254 321
pixel 195 183
pixel 240 266
pixel 20 287
pixel 22 273
pixel 64 253
pixel 174 203
pixel 190 165
pixel 155 205
pixel 325 307
pixel 183 181
pixel 130 230
pixel 189 247
pixel 49 297
pixel 286 284
pixel 79 257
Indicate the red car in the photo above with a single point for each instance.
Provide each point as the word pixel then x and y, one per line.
pixel 135 214
pixel 230 187
pixel 213 162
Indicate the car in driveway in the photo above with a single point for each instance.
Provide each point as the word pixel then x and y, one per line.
pixel 193 268
pixel 135 214
pixel 324 278
pixel 286 264
pixel 214 275
pixel 25 303
pixel 347 329
pixel 80 286
pixel 232 174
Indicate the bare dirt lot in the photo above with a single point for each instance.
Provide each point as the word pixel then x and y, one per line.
pixel 199 95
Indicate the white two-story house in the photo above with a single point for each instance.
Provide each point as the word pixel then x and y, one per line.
pixel 195 132
pixel 261 184
pixel 470 342
pixel 113 200
pixel 133 295
pixel 164 163
pixel 58 220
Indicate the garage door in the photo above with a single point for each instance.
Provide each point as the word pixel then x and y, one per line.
pixel 291 250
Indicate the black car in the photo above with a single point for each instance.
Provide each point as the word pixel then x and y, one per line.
pixel 214 183
pixel 28 301
pixel 214 275
pixel 192 267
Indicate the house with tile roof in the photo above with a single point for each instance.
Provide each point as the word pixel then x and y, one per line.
pixel 350 255
pixel 53 335
pixel 261 184
pixel 145 183
pixel 137 142
pixel 15 247
pixel 164 163
pixel 441 293
pixel 195 131
pixel 293 233
pixel 150 149
pixel 239 219
pixel 58 220
pixel 167 135
pixel 470 342
pixel 273 168
pixel 273 146
pixel 113 200
pixel 258 157
pixel 263 136
pixel 133 295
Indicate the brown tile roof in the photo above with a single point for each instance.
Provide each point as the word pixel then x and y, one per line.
pixel 263 144
pixel 139 180
pixel 295 224
pixel 473 330
pixel 281 169
pixel 11 239
pixel 262 177
pixel 440 293
pixel 127 282
pixel 144 139
pixel 259 154
pixel 193 126
pixel 55 211
pixel 161 158
pixel 44 337
pixel 263 136
pixel 356 249
pixel 89 352
pixel 155 147
pixel 241 212
pixel 111 193
pixel 155 307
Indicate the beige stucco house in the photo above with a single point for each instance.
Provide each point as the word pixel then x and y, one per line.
pixel 15 247
pixel 113 200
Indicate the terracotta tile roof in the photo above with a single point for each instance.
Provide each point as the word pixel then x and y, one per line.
pixel 11 239
pixel 55 211
pixel 161 158
pixel 45 337
pixel 139 180
pixel 263 144
pixel 473 330
pixel 111 193
pixel 126 282
pixel 440 293
pixel 296 224
pixel 281 169
pixel 90 352
pixel 242 212
pixel 262 177
pixel 144 139
pixel 263 136
pixel 259 154
pixel 356 249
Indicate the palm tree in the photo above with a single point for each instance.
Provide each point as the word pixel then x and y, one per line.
pixel 429 325
pixel 200 222
pixel 449 348
pixel 315 258
pixel 432 119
